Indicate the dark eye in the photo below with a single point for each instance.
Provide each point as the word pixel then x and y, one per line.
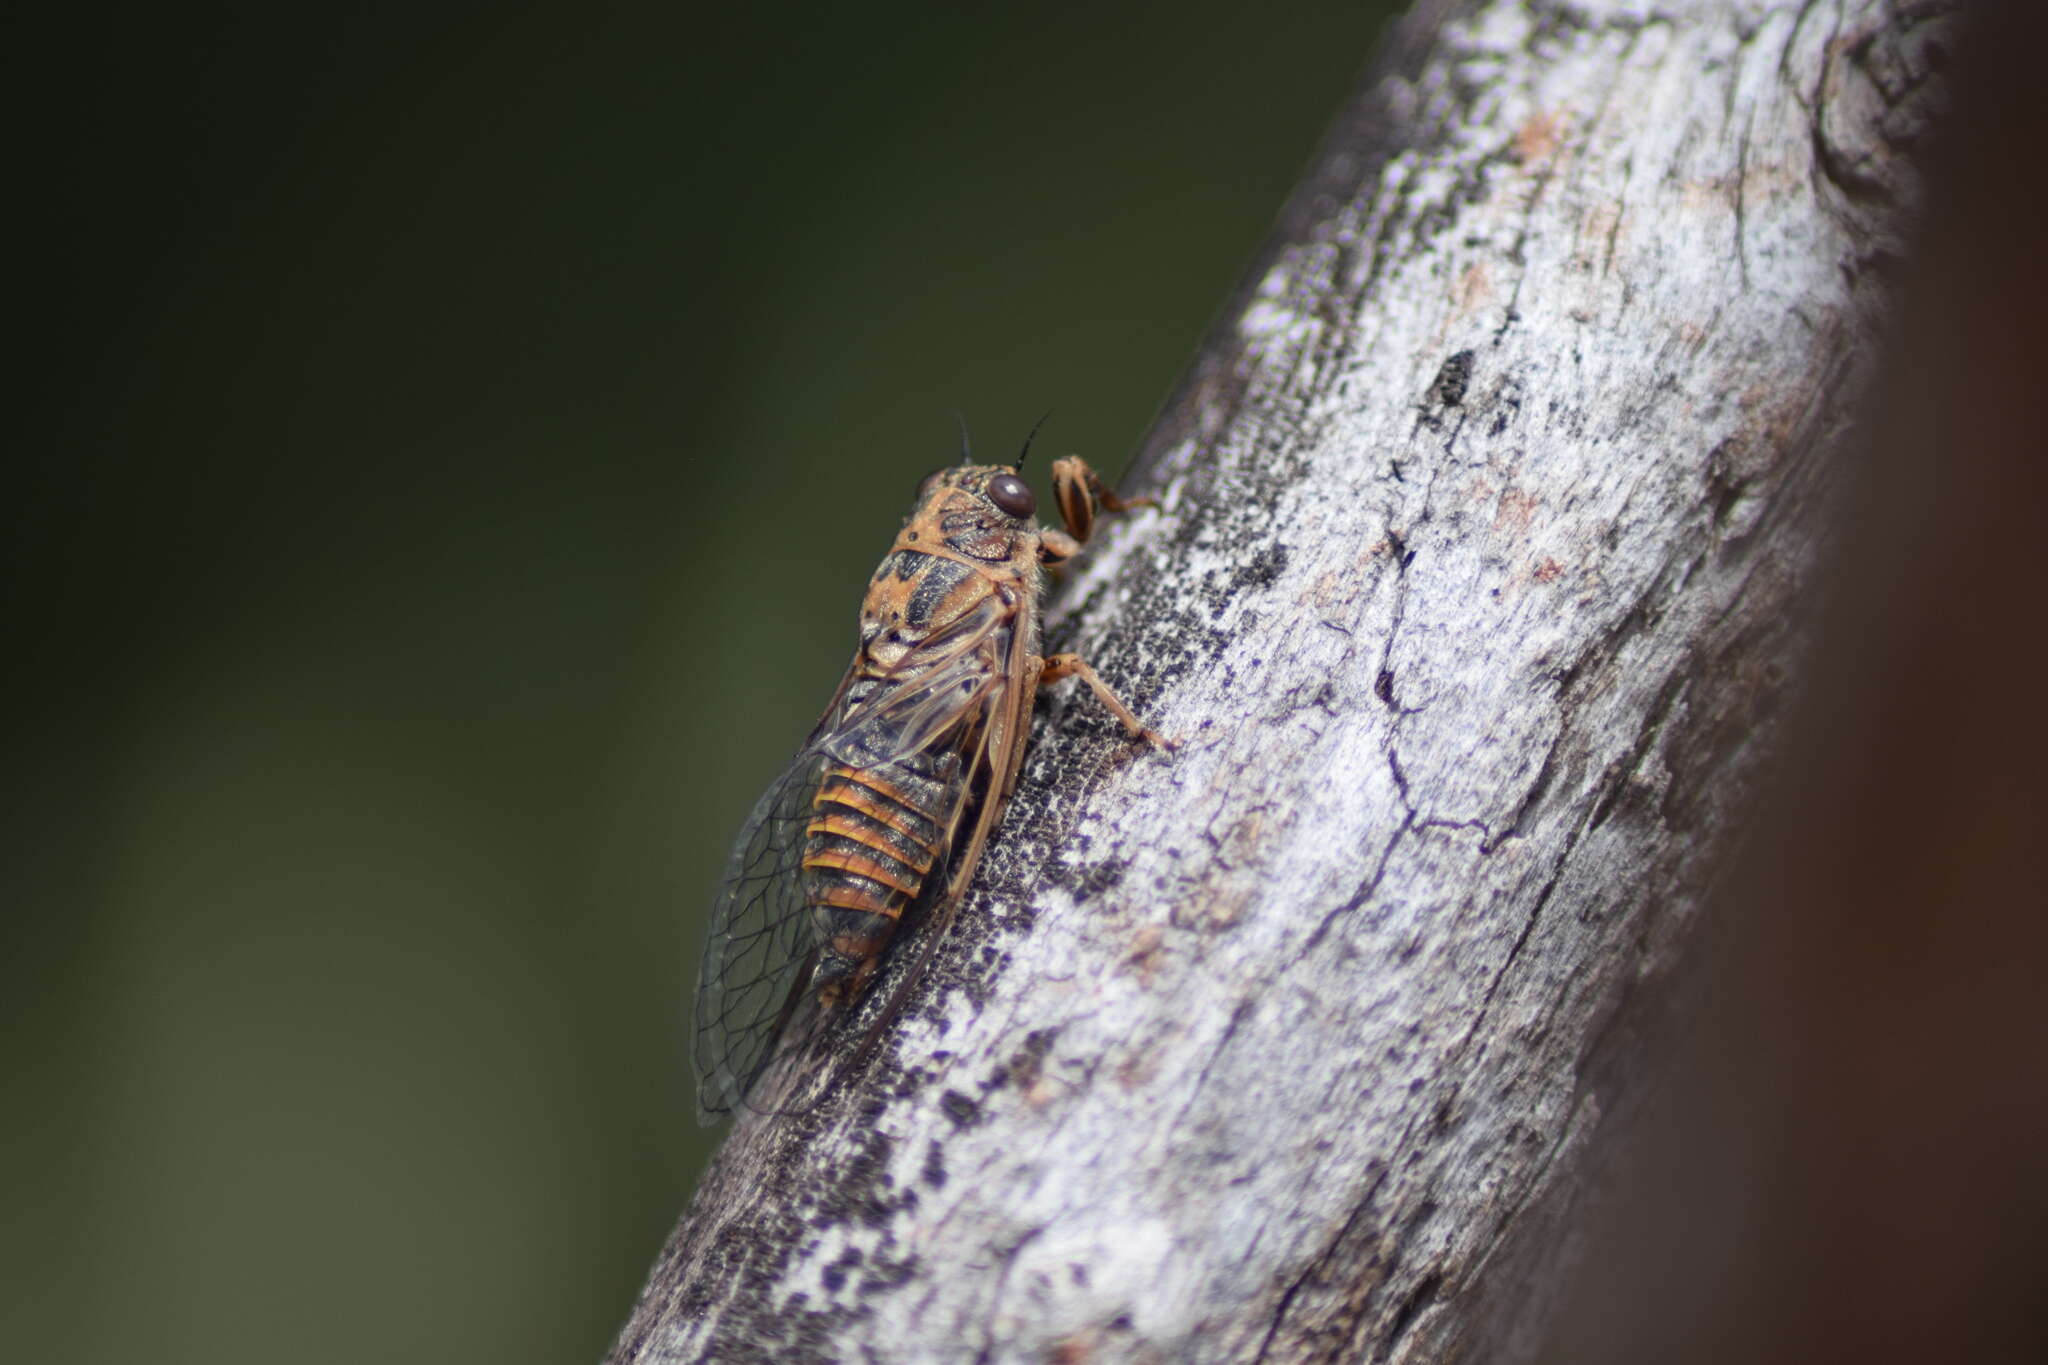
pixel 1012 494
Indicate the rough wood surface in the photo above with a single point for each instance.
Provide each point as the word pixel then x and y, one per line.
pixel 1487 515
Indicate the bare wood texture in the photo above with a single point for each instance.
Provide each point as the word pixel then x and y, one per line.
pixel 1486 518
pixel 1850 1159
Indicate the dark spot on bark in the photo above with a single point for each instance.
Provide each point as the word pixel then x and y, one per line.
pixel 1453 377
pixel 960 1108
pixel 1383 687
pixel 834 1274
pixel 1418 1299
pixel 1263 568
pixel 884 1274
pixel 1724 485
pixel 1091 879
pixel 862 1191
pixel 1029 1060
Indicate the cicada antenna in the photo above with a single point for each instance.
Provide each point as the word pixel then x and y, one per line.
pixel 1028 439
pixel 966 455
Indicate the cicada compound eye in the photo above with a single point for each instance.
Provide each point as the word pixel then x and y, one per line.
pixel 1012 494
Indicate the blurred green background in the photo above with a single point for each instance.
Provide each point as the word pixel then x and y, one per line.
pixel 454 442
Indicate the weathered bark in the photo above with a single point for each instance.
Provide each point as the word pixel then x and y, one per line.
pixel 1488 515
pixel 1850 1157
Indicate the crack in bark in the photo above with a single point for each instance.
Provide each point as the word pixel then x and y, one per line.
pixel 1358 898
pixel 1008 1259
pixel 1742 199
pixel 1321 1259
pixel 1521 940
pixel 1241 1012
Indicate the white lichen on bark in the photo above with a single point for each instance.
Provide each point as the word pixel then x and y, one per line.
pixel 1485 519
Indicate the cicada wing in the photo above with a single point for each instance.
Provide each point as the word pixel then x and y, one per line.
pixel 757 956
pixel 943 684
pixel 803 1058
pixel 761 1036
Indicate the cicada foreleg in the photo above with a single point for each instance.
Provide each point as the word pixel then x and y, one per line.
pixel 1077 489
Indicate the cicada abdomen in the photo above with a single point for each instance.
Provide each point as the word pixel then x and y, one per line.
pixel 876 834
pixel 880 818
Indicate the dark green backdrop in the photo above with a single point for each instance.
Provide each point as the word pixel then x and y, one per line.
pixel 455 446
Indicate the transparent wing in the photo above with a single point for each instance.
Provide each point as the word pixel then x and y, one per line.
pixel 939 685
pixel 760 1033
pixel 758 956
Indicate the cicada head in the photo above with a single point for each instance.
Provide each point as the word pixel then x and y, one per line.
pixel 977 510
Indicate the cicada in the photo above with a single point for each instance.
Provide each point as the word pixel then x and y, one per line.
pixel 881 816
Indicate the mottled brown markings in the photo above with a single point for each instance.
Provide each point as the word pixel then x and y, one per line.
pixel 935 582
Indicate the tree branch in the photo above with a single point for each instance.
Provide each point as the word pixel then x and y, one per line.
pixel 1488 514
